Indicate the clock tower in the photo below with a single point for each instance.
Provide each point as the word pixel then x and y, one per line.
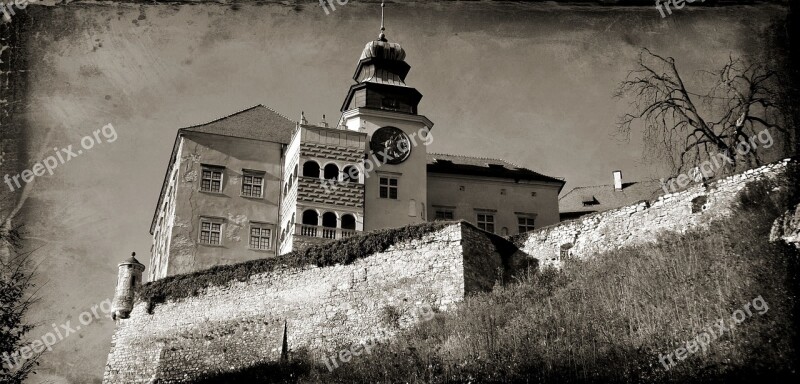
pixel 381 105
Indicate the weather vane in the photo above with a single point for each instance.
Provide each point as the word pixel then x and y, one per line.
pixel 382 36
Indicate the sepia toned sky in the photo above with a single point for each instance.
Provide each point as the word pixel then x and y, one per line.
pixel 529 83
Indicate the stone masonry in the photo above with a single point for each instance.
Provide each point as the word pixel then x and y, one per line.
pixel 242 324
pixel 641 222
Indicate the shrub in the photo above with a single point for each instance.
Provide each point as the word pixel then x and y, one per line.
pixel 345 251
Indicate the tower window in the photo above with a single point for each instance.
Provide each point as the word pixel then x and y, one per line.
pixel 350 174
pixel 486 222
pixel 211 180
pixel 331 172
pixel 525 224
pixel 388 188
pixel 210 231
pixel 444 214
pixel 260 236
pixel 252 184
pixel 311 169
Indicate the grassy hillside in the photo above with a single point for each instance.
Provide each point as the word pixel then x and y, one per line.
pixel 609 318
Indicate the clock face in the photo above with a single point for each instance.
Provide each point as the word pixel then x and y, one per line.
pixel 391 145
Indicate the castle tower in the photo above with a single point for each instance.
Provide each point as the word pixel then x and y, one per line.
pixel 381 105
pixel 129 278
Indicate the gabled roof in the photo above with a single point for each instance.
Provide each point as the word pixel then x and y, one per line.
pixel 599 198
pixel 483 166
pixel 258 122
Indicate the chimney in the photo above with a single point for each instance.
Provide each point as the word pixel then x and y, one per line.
pixel 617 180
pixel 323 123
pixel 303 120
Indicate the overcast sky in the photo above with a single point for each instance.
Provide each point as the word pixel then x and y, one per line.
pixel 531 84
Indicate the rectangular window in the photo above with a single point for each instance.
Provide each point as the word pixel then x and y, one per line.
pixel 444 214
pixel 210 231
pixel 525 224
pixel 252 184
pixel 486 222
pixel 211 180
pixel 388 187
pixel 260 237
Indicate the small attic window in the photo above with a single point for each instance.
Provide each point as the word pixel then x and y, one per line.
pixel 589 201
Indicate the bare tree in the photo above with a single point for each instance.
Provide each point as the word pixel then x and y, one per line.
pixel 687 128
pixel 16 276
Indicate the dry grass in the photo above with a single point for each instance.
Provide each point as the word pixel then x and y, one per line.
pixel 608 318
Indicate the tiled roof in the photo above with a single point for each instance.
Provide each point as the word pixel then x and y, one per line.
pixel 599 198
pixel 258 122
pixel 483 166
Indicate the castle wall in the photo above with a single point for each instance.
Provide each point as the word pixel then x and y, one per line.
pixel 640 223
pixel 242 324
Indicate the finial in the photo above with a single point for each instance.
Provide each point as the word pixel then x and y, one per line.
pixel 133 254
pixel 382 36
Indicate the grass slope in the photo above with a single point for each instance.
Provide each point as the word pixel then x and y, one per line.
pixel 606 319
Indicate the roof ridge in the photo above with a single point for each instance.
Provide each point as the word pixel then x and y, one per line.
pixel 611 185
pixel 277 113
pixel 474 157
pixel 220 118
pixel 236 113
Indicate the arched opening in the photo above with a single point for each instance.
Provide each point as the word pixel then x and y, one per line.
pixel 311 169
pixel 329 224
pixel 331 172
pixel 350 174
pixel 329 220
pixel 310 217
pixel 310 223
pixel 349 222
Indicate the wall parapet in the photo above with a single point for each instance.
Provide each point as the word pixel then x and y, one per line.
pixel 240 323
pixel 640 223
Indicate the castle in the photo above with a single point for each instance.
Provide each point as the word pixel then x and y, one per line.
pixel 255 184
pixel 255 187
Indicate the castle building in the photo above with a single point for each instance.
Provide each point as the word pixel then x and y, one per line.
pixel 255 184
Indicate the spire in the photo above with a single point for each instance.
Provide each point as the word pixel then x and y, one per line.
pixel 382 36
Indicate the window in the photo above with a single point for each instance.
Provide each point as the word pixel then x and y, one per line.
pixel 486 222
pixel 331 172
pixel 210 231
pixel 388 188
pixel 212 179
pixel 349 222
pixel 311 169
pixel 461 188
pixel 260 237
pixel 444 214
pixel 350 174
pixel 525 224
pixel 503 191
pixel 252 184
